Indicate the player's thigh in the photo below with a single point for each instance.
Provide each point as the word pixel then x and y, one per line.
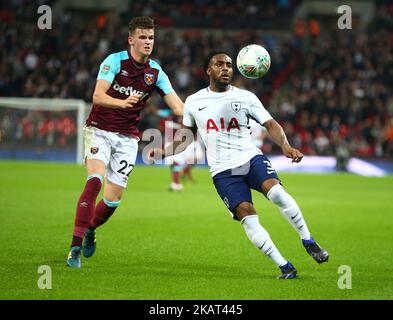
pixel 233 191
pixel 95 167
pixel 122 162
pixel 262 176
pixel 97 150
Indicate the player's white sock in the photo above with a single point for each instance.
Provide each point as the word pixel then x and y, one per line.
pixel 289 209
pixel 261 239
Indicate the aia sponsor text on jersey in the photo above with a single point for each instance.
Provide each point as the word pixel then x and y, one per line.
pixel 223 126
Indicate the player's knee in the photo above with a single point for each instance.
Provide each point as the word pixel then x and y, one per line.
pixel 95 175
pixel 244 209
pixel 113 196
pixel 280 197
pixel 269 184
pixel 112 202
pixel 113 192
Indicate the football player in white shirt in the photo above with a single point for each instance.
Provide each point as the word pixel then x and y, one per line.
pixel 222 112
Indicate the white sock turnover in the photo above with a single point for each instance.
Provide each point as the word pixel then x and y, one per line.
pixel 289 209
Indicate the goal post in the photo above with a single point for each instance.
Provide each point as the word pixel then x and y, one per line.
pixel 42 126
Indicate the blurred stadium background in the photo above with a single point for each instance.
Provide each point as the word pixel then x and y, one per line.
pixel 331 89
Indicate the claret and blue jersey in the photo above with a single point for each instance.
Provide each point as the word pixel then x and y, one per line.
pixel 127 77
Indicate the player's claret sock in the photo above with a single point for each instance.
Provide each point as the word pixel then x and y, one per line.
pixel 103 212
pixel 86 207
pixel 289 209
pixel 187 174
pixel 315 251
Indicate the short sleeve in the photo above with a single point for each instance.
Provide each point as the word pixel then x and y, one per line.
pixel 163 83
pixel 109 68
pixel 188 119
pixel 257 111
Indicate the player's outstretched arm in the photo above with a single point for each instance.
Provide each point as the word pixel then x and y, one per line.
pixel 277 133
pixel 175 103
pixel 175 147
pixel 102 99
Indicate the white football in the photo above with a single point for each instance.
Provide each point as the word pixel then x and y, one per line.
pixel 253 61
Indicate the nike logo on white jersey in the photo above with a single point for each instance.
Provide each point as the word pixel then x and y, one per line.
pixel 200 109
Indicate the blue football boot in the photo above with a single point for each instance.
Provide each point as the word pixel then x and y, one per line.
pixel 74 257
pixel 288 271
pixel 315 251
pixel 89 243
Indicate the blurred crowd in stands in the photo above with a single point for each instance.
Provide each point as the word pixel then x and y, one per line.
pixel 37 128
pixel 219 14
pixel 329 90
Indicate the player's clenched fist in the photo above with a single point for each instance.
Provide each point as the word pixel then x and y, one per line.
pixel 155 154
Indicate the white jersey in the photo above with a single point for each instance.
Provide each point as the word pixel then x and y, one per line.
pixel 257 133
pixel 222 119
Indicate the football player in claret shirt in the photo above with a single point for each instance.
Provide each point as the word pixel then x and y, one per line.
pixel 125 81
pixel 222 112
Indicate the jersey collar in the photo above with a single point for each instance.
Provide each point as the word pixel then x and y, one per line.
pixel 136 63
pixel 215 92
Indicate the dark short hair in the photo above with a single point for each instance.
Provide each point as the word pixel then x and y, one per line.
pixel 140 23
pixel 208 58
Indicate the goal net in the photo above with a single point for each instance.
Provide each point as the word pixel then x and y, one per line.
pixel 42 129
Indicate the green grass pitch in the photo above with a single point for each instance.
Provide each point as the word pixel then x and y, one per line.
pixel 162 245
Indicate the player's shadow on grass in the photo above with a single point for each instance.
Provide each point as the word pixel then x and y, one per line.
pixel 176 269
pixel 202 270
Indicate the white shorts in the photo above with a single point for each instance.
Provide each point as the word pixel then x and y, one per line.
pixel 118 152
